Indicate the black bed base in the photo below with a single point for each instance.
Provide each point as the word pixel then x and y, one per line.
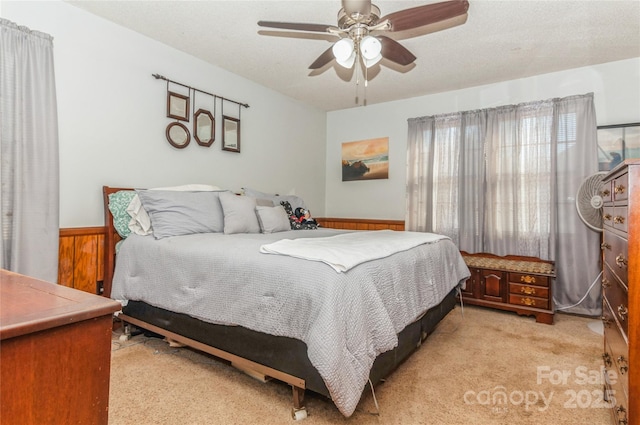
pixel 283 354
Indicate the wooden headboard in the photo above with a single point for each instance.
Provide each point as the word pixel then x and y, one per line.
pixel 111 238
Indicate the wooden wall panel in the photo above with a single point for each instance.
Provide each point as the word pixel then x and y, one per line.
pixel 360 224
pixel 65 261
pixel 80 263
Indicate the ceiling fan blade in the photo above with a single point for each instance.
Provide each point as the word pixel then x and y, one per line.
pixel 395 51
pixel 323 59
pixel 416 17
pixel 296 26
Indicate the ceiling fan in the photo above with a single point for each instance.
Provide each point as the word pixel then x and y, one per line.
pixel 360 31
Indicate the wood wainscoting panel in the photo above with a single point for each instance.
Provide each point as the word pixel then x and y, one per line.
pixel 81 262
pixel 360 223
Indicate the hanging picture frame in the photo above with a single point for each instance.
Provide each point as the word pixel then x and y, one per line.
pixel 230 134
pixel 204 127
pixel 177 106
pixel 178 135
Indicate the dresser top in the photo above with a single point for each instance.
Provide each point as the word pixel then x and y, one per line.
pixel 30 305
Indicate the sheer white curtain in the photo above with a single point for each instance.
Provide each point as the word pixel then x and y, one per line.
pixel 29 193
pixel 503 180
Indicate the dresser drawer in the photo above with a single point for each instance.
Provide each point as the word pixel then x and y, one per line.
pixel 616 217
pixel 621 188
pixel 528 279
pixel 536 291
pixel 617 350
pixel 618 299
pixel 605 192
pixel 620 215
pixel 529 301
pixel 616 256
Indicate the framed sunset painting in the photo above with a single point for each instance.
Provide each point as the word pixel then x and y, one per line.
pixel 365 159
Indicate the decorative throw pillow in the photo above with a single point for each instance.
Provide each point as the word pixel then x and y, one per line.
pixel 118 203
pixel 293 222
pixel 239 214
pixel 273 219
pixel 295 201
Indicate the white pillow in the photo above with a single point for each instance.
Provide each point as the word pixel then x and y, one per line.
pixel 140 223
pixel 273 219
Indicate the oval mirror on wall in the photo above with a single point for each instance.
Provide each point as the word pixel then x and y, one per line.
pixel 178 135
pixel 204 128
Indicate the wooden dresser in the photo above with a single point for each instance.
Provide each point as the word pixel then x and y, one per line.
pixel 513 283
pixel 621 290
pixel 55 353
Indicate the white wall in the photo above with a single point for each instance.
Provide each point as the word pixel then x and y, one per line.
pixel 112 119
pixel 616 88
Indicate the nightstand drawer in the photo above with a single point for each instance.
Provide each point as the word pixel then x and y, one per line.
pixel 528 301
pixel 536 291
pixel 528 279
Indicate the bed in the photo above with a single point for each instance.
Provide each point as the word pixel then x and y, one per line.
pixel 328 326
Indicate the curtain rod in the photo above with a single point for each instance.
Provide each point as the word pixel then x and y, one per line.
pixel 160 77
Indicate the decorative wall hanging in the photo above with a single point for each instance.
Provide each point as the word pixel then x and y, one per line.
pixel 178 135
pixel 204 127
pixel 230 131
pixel 230 134
pixel 204 122
pixel 617 143
pixel 365 159
pixel 177 106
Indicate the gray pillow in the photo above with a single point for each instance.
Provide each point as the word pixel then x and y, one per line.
pixel 295 201
pixel 175 213
pixel 239 214
pixel 273 219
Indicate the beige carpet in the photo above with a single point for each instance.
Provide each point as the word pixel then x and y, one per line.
pixel 549 374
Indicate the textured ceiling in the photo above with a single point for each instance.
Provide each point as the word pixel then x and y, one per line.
pixel 501 40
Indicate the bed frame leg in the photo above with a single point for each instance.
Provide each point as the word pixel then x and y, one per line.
pixel 298 412
pixel 126 332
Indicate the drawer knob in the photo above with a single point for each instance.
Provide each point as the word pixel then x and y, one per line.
pixel 607 217
pixel 618 219
pixel 607 359
pixel 604 246
pixel 528 279
pixel 605 283
pixel 605 193
pixel 622 312
pixel 621 261
pixel 528 290
pixel 619 189
pixel 623 365
pixel 528 301
pixel 621 415
pixel 605 321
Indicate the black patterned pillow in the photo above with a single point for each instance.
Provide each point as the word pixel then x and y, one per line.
pixel 295 225
pixel 294 220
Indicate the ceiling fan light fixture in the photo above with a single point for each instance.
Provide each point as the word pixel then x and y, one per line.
pixel 344 52
pixel 371 50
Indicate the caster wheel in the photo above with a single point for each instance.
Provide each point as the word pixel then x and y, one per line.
pixel 124 338
pixel 299 414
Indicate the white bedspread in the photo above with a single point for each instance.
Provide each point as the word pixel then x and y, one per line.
pixel 345 251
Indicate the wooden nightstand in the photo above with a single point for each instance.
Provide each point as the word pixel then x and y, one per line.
pixel 55 353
